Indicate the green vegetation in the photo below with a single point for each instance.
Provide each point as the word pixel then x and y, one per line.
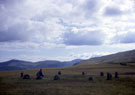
pixel 71 83
pixel 121 57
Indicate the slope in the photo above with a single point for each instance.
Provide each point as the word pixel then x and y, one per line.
pixel 121 57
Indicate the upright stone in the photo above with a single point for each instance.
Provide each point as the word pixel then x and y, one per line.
pixel 109 76
pixel 21 74
pixel 90 78
pixel 116 75
pixel 39 74
pixel 26 76
pixel 59 73
pixel 101 73
pixel 83 73
pixel 56 77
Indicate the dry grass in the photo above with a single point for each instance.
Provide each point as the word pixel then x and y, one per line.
pixel 71 83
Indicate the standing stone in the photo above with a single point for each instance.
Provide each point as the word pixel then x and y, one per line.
pixel 39 74
pixel 109 76
pixel 26 76
pixel 90 78
pixel 101 73
pixel 83 73
pixel 39 77
pixel 116 75
pixel 56 77
pixel 59 73
pixel 21 74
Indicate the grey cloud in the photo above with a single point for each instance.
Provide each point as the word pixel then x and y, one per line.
pixel 84 10
pixel 10 3
pixel 112 11
pixel 126 38
pixel 16 23
pixel 90 7
pixel 84 38
pixel 15 17
pixel 17 32
pixel 12 29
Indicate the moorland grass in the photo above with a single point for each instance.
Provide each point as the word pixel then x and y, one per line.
pixel 72 81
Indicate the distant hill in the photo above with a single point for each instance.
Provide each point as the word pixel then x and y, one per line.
pixel 22 65
pixel 16 65
pixel 121 57
pixel 50 63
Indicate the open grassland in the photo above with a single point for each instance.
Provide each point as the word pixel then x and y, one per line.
pixel 72 82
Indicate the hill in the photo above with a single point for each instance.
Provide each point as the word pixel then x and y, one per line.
pixel 121 57
pixel 16 65
pixel 53 63
pixel 22 65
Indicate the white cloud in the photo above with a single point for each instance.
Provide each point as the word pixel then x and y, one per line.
pixel 65 24
pixel 40 21
pixel 88 55
pixel 85 36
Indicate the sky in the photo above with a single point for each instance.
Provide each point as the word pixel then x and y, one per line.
pixel 35 30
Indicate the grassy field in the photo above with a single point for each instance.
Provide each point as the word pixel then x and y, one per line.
pixel 71 83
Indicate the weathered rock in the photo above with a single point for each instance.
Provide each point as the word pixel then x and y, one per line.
pixel 21 74
pixel 101 73
pixel 39 75
pixel 26 76
pixel 59 73
pixel 90 78
pixel 83 73
pixel 56 77
pixel 109 76
pixel 116 75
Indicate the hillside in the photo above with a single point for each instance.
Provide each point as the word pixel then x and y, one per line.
pixel 22 65
pixel 16 65
pixel 53 63
pixel 122 57
pixel 71 82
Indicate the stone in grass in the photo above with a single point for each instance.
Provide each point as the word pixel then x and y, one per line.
pixel 39 75
pixel 21 74
pixel 90 78
pixel 26 76
pixel 116 75
pixel 83 73
pixel 109 76
pixel 56 77
pixel 59 73
pixel 101 73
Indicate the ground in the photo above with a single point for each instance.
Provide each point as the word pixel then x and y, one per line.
pixel 72 82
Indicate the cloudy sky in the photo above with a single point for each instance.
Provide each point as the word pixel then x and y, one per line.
pixel 65 29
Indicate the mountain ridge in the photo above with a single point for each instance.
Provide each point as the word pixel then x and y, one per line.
pixel 15 64
pixel 120 57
